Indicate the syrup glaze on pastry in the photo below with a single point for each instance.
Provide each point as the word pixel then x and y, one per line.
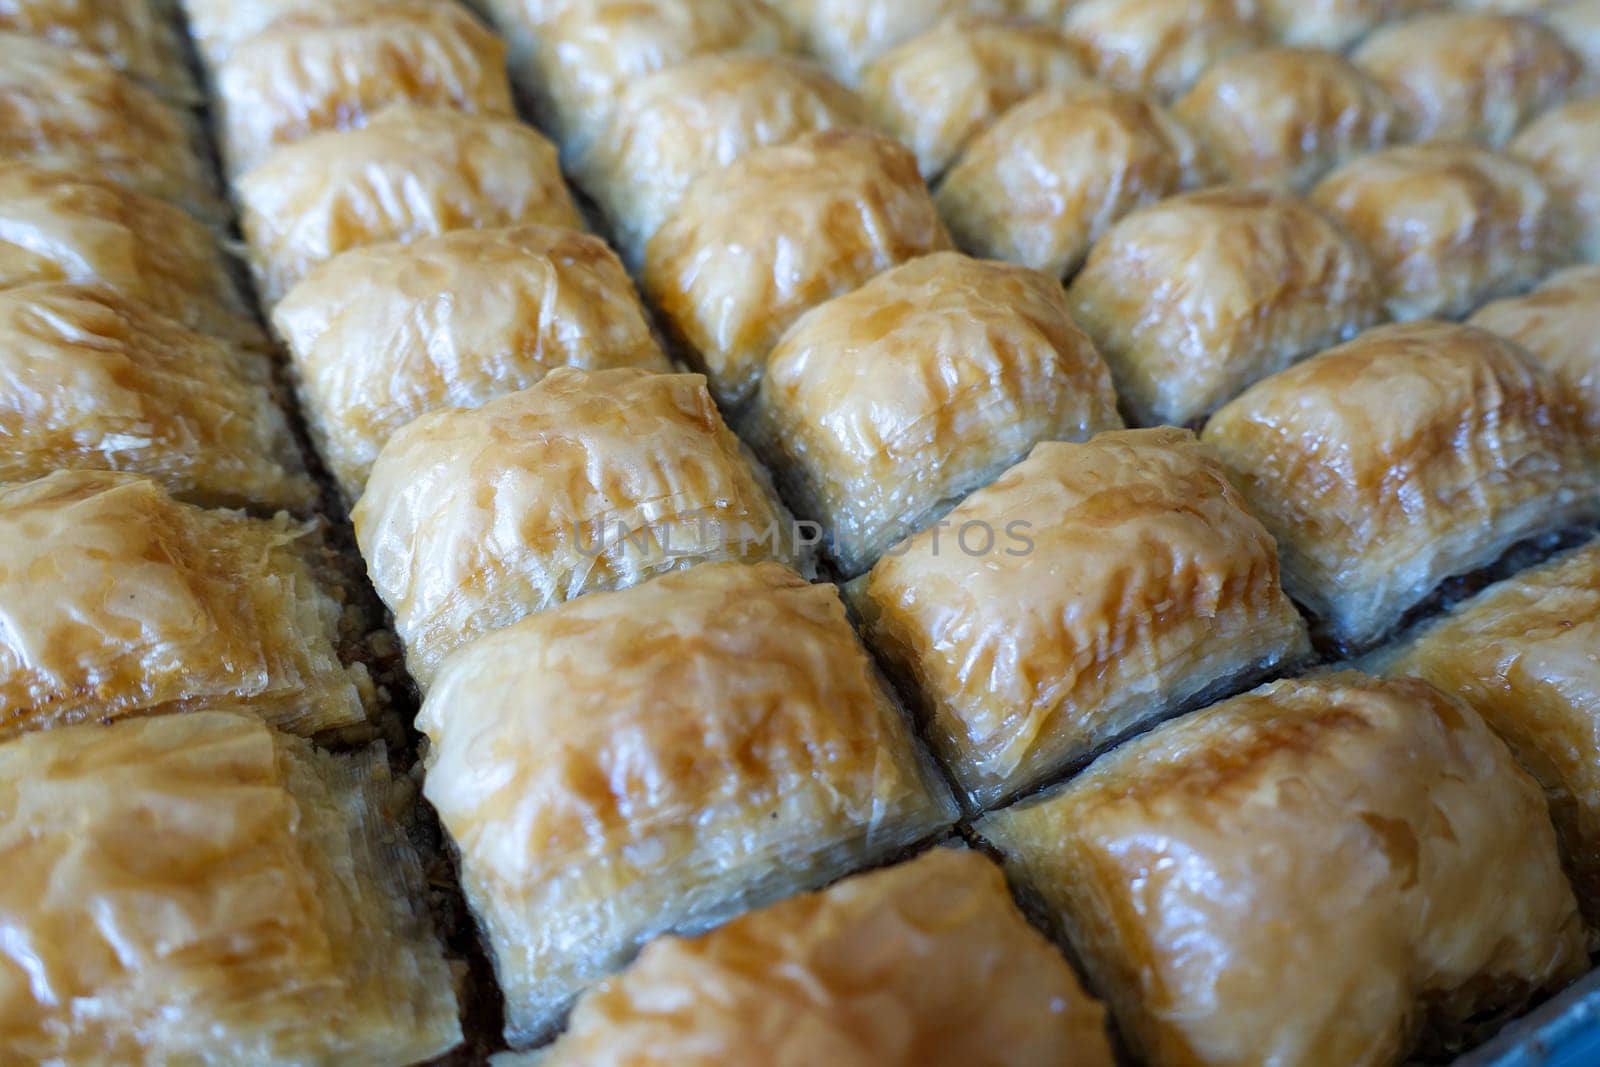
pixel 1161 46
pixel 1563 148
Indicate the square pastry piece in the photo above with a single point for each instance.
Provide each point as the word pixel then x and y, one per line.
pixel 589 480
pixel 1412 454
pixel 138 37
pixel 1329 872
pixel 1526 654
pixel 885 406
pixel 1331 24
pixel 383 334
pixel 219 26
pixel 658 759
pixel 1161 46
pixel 202 889
pixel 753 246
pixel 924 964
pixel 118 601
pixel 1094 588
pixel 1563 148
pixel 1193 299
pixel 849 34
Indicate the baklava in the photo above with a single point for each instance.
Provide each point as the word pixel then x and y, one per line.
pixel 1193 299
pixel 658 759
pixel 202 889
pixel 848 34
pixel 381 335
pixel 1332 871
pixel 1053 174
pixel 1449 226
pixel 924 964
pixel 1332 24
pixel 219 26
pixel 135 36
pixel 1161 46
pixel 1414 453
pixel 755 245
pixel 410 173
pixel 1578 23
pixel 1093 589
pixel 1563 148
pixel 587 481
pixel 123 602
pixel 883 407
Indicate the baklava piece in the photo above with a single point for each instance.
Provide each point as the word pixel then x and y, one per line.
pixel 1195 298
pixel 1093 589
pixel 849 34
pixel 1563 148
pixel 883 407
pixel 586 56
pixel 135 36
pixel 1449 226
pixel 90 380
pixel 589 480
pixel 61 225
pixel 812 979
pixel 122 602
pixel 219 26
pixel 1332 24
pixel 1413 453
pixel 1330 871
pixel 1559 324
pixel 383 334
pixel 1526 654
pixel 667 129
pixel 74 111
pixel 411 173
pixel 1055 172
pixel 202 889
pixel 1286 116
pixel 1468 76
pixel 1578 23
pixel 755 245
pixel 1161 46
pixel 658 759
pixel 332 68
pixel 937 90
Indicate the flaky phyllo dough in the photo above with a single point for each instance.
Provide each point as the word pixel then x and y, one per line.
pixel 90 380
pixel 220 26
pixel 1386 465
pixel 1563 148
pixel 660 758
pixel 1321 872
pixel 1161 46
pixel 924 964
pixel 202 889
pixel 381 335
pixel 118 601
pixel 589 480
pixel 849 34
pixel 332 68
pixel 1159 589
pixel 409 173
pixel 137 37
pixel 884 406
pixel 62 226
pixel 1332 24
pixel 71 110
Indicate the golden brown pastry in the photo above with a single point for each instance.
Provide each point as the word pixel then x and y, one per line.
pixel 942 87
pixel 135 36
pixel 1563 148
pixel 1448 226
pixel 848 34
pixel 658 759
pixel 1094 588
pixel 1332 24
pixel 925 964
pixel 331 69
pixel 1468 76
pixel 384 334
pixel 587 481
pixel 120 601
pixel 1196 297
pixel 90 380
pixel 755 245
pixel 1286 116
pixel 60 225
pixel 220 26
pixel 1161 46
pixel 202 889
pixel 1413 453
pixel 411 173
pixel 1578 23
pixel 1051 176
pixel 883 407
pixel 669 128
pixel 1526 654
pixel 1559 324
pixel 1325 872
pixel 583 58
pixel 71 110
